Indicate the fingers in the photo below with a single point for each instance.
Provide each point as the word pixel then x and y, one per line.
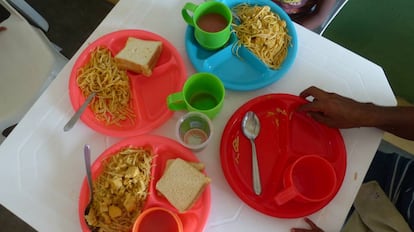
pixel 299 230
pixel 315 105
pixel 319 117
pixel 313 91
pixel 310 222
pixel 314 227
pixel 310 107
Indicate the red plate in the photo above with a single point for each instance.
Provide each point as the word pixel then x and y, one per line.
pixel 148 93
pixel 284 136
pixel 194 219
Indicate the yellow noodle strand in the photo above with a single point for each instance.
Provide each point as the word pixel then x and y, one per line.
pixel 123 185
pixel 101 75
pixel 262 32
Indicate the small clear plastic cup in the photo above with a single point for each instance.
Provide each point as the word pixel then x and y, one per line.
pixel 194 130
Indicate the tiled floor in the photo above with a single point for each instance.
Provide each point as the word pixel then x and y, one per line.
pixel 70 24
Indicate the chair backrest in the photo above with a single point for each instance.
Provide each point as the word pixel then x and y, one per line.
pixel 30 14
pixel 28 63
pixel 383 32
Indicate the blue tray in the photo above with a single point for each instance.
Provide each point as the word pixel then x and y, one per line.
pixel 245 72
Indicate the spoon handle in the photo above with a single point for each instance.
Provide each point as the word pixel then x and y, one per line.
pixel 78 113
pixel 257 186
pixel 87 154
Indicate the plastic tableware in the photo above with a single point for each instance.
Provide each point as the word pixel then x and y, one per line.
pixel 211 21
pixel 158 219
pixel 194 219
pixel 148 105
pixel 202 92
pixel 246 72
pixel 78 113
pixel 87 158
pixel 285 136
pixel 310 178
pixel 251 128
pixel 194 130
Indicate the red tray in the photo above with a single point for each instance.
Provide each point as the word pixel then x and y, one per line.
pixel 284 136
pixel 194 219
pixel 149 94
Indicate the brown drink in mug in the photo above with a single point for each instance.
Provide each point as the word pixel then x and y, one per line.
pixel 211 21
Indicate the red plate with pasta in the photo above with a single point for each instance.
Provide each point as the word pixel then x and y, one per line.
pixel 163 148
pixel 148 94
pixel 284 136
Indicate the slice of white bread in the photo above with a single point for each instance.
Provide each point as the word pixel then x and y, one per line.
pixel 139 56
pixel 182 184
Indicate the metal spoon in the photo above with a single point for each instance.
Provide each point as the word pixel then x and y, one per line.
pixel 87 156
pixel 251 128
pixel 78 113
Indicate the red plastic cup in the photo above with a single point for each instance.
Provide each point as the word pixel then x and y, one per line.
pixel 157 219
pixel 310 178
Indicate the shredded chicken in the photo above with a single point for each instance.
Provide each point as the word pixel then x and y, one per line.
pixel 121 190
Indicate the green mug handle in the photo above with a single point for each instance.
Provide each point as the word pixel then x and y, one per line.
pixel 175 101
pixel 189 6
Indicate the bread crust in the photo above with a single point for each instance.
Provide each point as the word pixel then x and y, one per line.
pixel 182 184
pixel 145 69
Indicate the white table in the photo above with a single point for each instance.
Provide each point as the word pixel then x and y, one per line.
pixel 41 167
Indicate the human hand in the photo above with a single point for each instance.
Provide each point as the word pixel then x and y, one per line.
pixel 334 110
pixel 314 227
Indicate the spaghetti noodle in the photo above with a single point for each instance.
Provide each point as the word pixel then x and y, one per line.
pixel 263 32
pixel 101 75
pixel 121 190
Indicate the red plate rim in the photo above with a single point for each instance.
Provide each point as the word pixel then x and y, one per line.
pixel 265 203
pixel 147 125
pixel 193 219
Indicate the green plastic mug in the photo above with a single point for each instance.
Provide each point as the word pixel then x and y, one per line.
pixel 211 21
pixel 202 92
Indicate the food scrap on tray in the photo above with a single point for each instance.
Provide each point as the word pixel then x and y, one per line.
pixel 236 144
pixel 121 190
pixel 263 32
pixel 182 183
pixel 112 103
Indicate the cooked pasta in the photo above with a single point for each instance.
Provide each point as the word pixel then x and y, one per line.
pixel 263 32
pixel 121 190
pixel 236 144
pixel 112 102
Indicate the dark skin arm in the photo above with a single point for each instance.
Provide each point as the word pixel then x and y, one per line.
pixel 340 112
